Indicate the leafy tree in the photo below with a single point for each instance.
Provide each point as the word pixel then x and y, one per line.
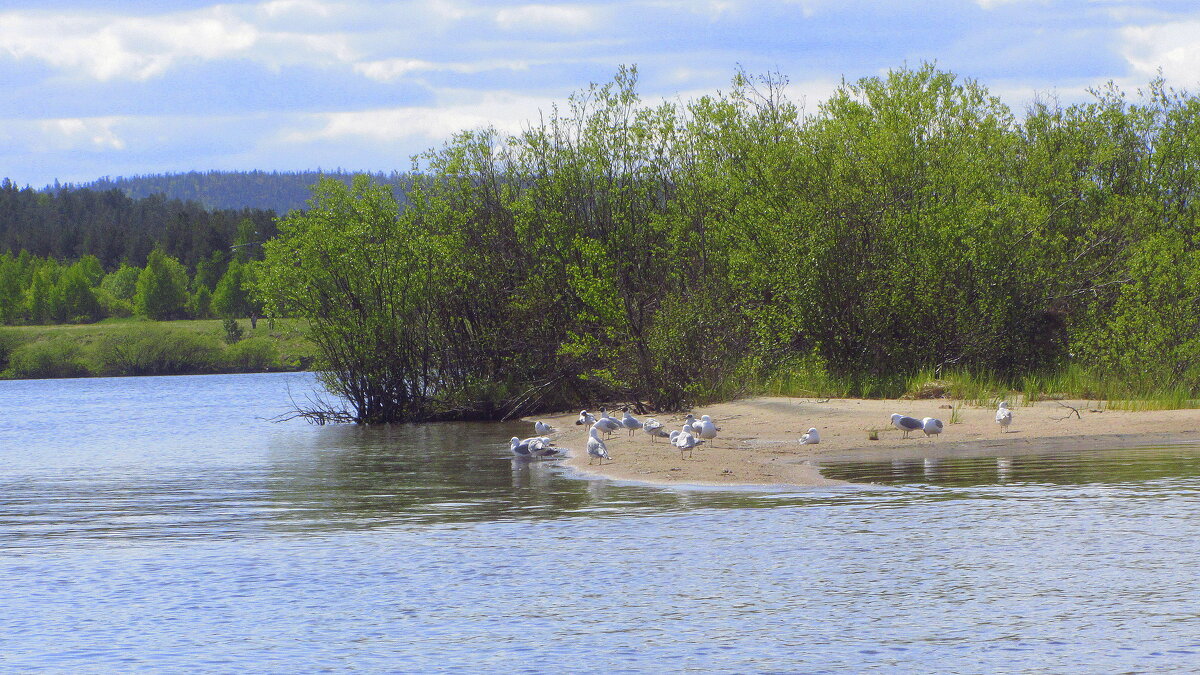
pixel 200 303
pixel 234 296
pixel 122 283
pixel 161 288
pixel 73 297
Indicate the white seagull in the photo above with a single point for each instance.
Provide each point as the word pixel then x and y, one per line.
pixel 684 441
pixel 1003 416
pixel 906 424
pixel 541 427
pixel 811 438
pixel 585 417
pixel 596 447
pixel 931 426
pixel 630 422
pixel 536 446
pixel 708 430
pixel 654 428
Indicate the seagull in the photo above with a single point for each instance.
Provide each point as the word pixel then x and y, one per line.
pixel 630 422
pixel 684 441
pixel 542 428
pixel 931 426
pixel 585 417
pixel 596 447
pixel 607 425
pixel 654 428
pixel 811 438
pixel 1003 416
pixel 905 423
pixel 689 425
pixel 708 430
pixel 520 448
pixel 612 423
pixel 536 446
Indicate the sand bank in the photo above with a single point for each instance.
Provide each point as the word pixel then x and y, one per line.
pixel 759 443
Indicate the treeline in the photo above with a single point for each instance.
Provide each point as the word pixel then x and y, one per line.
pixel 673 253
pixel 69 224
pixel 278 191
pixel 36 290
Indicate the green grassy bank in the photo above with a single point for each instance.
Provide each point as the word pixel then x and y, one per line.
pixel 117 347
pixel 1073 381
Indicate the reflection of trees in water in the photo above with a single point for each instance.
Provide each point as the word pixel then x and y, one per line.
pixel 1066 468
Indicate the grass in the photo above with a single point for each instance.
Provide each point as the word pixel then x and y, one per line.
pixel 1104 389
pixel 138 347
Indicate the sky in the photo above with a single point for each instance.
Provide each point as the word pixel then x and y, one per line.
pixel 91 89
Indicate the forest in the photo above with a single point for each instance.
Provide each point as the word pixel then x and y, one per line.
pixel 278 191
pixel 682 252
pixel 68 224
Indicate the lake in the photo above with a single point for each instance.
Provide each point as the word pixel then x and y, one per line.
pixel 165 525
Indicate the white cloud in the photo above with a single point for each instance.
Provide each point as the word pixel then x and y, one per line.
pixel 547 17
pixel 111 47
pixel 94 133
pixel 388 70
pixel 1170 46
pixel 508 113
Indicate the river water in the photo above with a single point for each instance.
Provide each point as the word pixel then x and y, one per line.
pixel 163 525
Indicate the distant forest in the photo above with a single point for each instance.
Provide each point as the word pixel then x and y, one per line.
pixel 72 223
pixel 276 191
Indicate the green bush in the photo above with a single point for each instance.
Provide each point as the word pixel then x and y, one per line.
pixel 157 351
pixel 252 355
pixel 9 341
pixel 38 360
pixel 113 306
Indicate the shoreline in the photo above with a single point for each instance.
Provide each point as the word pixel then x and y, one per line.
pixel 759 445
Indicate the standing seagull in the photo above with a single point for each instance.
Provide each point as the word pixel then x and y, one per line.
pixel 520 448
pixel 684 441
pixel 1003 416
pixel 811 438
pixel 630 422
pixel 596 447
pixel 586 417
pixel 906 424
pixel 654 428
pixel 931 426
pixel 708 430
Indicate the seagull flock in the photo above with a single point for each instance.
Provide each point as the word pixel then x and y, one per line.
pixel 694 432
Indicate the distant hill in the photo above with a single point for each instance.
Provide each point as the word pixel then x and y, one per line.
pixel 275 191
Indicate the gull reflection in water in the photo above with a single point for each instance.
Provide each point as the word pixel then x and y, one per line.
pixel 1003 467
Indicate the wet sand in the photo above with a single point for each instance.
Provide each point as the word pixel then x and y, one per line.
pixel 759 442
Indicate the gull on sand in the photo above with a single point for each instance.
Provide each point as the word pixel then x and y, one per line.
pixel 811 438
pixel 685 441
pixel 1003 416
pixel 654 428
pixel 906 424
pixel 630 422
pixel 596 447
pixel 586 417
pixel 931 426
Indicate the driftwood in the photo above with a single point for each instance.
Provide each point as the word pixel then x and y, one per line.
pixel 1074 411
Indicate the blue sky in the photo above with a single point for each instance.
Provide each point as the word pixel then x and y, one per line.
pixel 101 88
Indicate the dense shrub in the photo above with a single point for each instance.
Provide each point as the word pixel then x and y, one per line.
pixel 37 360
pixel 157 351
pixel 253 355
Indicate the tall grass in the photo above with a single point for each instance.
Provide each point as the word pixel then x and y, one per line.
pixel 1101 388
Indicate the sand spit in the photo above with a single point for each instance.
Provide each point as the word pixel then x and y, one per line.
pixel 759 443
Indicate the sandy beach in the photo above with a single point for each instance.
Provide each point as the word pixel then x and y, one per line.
pixel 759 442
